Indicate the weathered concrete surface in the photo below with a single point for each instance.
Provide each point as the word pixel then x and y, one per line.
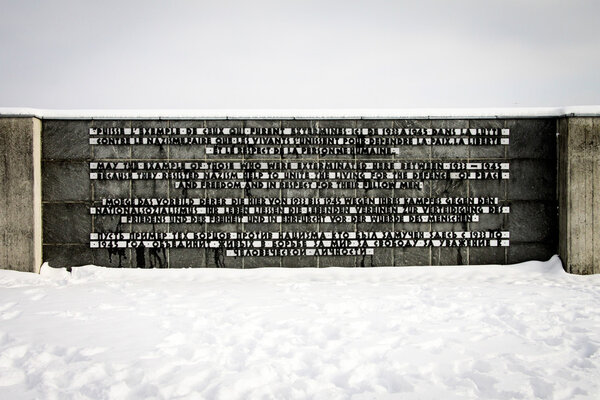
pixel 579 194
pixel 20 194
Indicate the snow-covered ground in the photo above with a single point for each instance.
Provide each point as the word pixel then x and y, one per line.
pixel 524 331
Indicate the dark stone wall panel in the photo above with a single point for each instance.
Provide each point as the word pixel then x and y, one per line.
pixel 187 258
pixel 450 256
pixel 532 138
pixel 520 252
pixel 68 194
pixel 488 255
pixel 66 223
pixel 532 179
pixel 412 256
pixel 533 222
pixel 66 140
pixel 65 181
pixel 65 256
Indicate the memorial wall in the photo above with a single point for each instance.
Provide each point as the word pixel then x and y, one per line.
pixel 245 193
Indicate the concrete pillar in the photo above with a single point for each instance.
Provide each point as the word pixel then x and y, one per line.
pixel 20 194
pixel 579 194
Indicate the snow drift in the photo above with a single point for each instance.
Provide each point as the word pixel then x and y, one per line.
pixel 523 331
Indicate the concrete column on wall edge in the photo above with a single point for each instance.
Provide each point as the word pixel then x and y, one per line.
pixel 20 193
pixel 579 193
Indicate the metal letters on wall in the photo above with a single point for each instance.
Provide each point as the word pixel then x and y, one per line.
pixel 299 191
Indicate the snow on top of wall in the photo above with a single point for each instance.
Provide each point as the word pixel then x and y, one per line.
pixel 415 113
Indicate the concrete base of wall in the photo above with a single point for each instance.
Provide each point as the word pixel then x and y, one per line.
pixel 20 194
pixel 579 194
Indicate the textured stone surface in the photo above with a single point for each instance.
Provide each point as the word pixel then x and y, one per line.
pixel 112 189
pixel 532 222
pixel 337 261
pixel 215 258
pixel 66 181
pixel 413 152
pixel 149 152
pixel 486 152
pixel 111 152
pixel 449 188
pixel 66 223
pixel 532 138
pixel 579 185
pixel 66 140
pixel 487 255
pixel 532 179
pixel 142 257
pixel 109 223
pixel 520 252
pixel 412 256
pixel 64 256
pixel 259 262
pixel 186 258
pixel 298 262
pixel 450 256
pixel 150 188
pixel 20 248
pixel 193 152
pixel 381 258
pixel 262 124
pixel 489 188
pixel 118 258
pixel 450 152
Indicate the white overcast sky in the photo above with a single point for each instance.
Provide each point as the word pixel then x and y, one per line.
pixel 299 54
